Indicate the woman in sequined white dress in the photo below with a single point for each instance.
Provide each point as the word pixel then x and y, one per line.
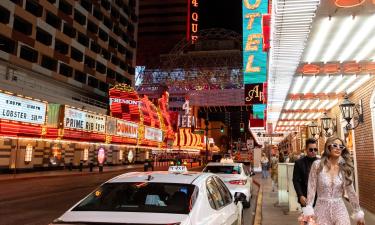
pixel 330 177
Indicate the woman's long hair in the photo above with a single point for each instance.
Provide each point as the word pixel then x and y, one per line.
pixel 345 161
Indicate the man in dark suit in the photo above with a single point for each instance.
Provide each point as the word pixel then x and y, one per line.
pixel 302 170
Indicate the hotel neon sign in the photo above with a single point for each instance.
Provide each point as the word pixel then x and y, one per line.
pixel 254 59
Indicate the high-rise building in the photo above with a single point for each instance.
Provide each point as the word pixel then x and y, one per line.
pixel 162 24
pixel 67 51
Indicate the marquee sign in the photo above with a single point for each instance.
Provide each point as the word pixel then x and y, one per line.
pixel 82 120
pixel 124 103
pixel 153 134
pixel 127 129
pixel 254 59
pixel 22 109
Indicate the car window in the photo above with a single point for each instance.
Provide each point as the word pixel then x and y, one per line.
pixel 227 196
pixel 215 198
pixel 246 170
pixel 223 169
pixel 140 197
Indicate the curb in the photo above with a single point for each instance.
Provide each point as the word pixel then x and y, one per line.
pixel 258 210
pixel 78 174
pixel 65 175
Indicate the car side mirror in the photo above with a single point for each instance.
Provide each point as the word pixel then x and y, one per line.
pixel 239 197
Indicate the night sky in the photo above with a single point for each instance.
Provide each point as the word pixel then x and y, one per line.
pixel 220 14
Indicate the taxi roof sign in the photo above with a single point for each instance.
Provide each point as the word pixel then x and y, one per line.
pixel 177 169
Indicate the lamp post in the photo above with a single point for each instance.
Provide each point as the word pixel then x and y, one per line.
pixel 313 128
pixel 348 109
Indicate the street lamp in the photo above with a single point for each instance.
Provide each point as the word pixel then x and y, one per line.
pixel 328 124
pixel 313 128
pixel 348 109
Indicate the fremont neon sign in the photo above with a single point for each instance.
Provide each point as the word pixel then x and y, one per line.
pixel 254 59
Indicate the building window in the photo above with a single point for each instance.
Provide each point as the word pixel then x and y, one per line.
pixel 69 30
pixel 92 27
pixel 92 82
pixel 87 5
pixel 79 76
pixel 34 8
pixel 49 63
pixel 95 47
pixel 103 86
pixel 97 14
pixel 107 22
pixel 76 54
pixel 105 4
pixel 111 74
pixel 79 17
pixel 53 20
pixel 65 70
pixel 61 47
pixel 112 43
pixel 22 26
pixel 18 2
pixel 85 154
pixel 4 15
pixel 103 35
pixel 124 21
pixel 43 37
pixel 65 7
pixel 106 54
pixel 90 62
pixel 115 14
pixel 117 30
pixel 100 68
pixel 28 54
pixel 83 39
pixel 123 66
pixel 115 60
pixel 28 153
pixel 7 45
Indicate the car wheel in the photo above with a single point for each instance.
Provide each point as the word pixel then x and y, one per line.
pixel 246 204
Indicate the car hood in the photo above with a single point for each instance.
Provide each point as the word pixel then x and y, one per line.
pixel 121 217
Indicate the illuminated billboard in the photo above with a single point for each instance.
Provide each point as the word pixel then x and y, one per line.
pixel 254 59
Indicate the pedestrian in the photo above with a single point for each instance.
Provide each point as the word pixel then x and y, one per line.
pixel 329 178
pixel 71 165
pixel 302 169
pixel 274 167
pixel 265 165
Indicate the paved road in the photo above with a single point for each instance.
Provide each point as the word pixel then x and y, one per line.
pixel 40 201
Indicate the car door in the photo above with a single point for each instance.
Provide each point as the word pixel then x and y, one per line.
pixel 217 203
pixel 231 212
pixel 248 176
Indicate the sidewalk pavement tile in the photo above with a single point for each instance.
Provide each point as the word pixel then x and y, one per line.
pixel 273 214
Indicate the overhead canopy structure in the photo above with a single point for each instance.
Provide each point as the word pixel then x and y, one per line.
pixel 319 52
pixel 214 61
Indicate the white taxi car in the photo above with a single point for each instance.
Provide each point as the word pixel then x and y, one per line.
pixel 236 176
pixel 170 197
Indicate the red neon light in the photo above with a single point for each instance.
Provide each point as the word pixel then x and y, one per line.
pixel 188 21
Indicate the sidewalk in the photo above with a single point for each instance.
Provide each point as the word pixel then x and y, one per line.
pixel 272 214
pixel 85 171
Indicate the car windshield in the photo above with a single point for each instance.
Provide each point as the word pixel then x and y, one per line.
pixel 223 169
pixel 141 197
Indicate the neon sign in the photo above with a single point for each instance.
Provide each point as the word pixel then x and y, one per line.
pixel 193 20
pixel 254 59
